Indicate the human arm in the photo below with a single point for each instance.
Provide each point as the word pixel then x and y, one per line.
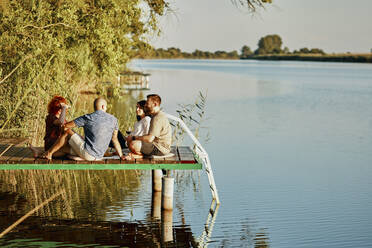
pixel 70 125
pixel 62 117
pixel 116 143
pixel 145 138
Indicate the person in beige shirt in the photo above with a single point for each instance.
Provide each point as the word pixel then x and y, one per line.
pixel 158 140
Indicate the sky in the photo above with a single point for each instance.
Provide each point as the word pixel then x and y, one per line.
pixel 335 26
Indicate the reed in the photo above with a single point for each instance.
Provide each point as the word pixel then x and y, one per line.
pixel 87 193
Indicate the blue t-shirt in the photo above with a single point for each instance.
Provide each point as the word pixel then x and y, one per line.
pixel 98 129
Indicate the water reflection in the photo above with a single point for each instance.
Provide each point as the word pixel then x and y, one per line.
pixel 50 229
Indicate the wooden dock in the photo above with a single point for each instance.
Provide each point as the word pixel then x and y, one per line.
pixel 134 80
pixel 15 155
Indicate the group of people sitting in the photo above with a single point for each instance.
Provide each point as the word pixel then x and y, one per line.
pixel 152 133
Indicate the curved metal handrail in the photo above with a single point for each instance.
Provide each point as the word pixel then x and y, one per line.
pixel 203 155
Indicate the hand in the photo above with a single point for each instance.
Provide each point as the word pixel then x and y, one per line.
pixel 122 157
pixel 62 104
pixel 129 139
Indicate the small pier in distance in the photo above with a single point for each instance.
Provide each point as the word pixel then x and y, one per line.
pixel 133 80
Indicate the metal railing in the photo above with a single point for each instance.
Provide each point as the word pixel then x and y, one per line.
pixel 203 155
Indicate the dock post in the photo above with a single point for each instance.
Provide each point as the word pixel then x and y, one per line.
pixel 156 205
pixel 156 180
pixel 167 193
pixel 166 225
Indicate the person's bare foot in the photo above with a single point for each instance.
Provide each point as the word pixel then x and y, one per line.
pixel 76 158
pixel 46 156
pixel 37 153
pixel 132 156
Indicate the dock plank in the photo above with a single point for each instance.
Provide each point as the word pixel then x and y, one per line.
pixel 112 161
pixel 3 147
pixel 17 157
pixel 28 158
pixel 8 153
pixel 186 155
pixel 19 154
pixel 42 161
pixel 143 161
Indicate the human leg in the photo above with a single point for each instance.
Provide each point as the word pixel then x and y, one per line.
pixel 140 148
pixel 77 147
pixel 60 147
pixel 135 148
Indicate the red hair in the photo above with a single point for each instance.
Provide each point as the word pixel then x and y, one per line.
pixel 54 104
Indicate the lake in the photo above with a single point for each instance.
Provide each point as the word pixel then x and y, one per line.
pixel 290 146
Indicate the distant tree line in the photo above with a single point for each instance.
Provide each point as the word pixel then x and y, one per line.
pixel 272 45
pixel 270 48
pixel 268 45
pixel 176 53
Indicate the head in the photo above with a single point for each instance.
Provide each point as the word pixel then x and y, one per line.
pixel 100 104
pixel 140 110
pixel 152 104
pixel 54 106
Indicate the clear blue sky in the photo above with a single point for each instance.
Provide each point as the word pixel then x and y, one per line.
pixel 332 25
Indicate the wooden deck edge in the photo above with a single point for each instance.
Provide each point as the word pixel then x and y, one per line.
pixel 183 166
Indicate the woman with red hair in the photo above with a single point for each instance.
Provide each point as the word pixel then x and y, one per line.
pixel 54 121
pixel 56 118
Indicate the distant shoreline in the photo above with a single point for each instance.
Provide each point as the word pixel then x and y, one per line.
pixel 346 58
pixel 354 58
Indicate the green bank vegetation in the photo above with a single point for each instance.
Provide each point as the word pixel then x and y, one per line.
pixel 61 47
pixel 269 48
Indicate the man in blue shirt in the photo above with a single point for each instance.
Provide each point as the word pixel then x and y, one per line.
pixel 99 129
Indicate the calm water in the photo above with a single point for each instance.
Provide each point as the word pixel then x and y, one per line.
pixel 291 152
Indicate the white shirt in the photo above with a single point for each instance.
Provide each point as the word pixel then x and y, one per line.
pixel 141 127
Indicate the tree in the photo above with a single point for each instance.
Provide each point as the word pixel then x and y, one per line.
pixel 246 52
pixel 270 44
pixel 53 47
pixel 233 55
pixel 317 51
pixel 304 50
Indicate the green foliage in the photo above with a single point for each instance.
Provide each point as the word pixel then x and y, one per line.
pixel 176 53
pixel 86 41
pixel 246 52
pixel 306 50
pixel 270 44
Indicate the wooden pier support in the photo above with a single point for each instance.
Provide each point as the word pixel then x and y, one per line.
pixel 156 180
pixel 156 205
pixel 166 225
pixel 167 193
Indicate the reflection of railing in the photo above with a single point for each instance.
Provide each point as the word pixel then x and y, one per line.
pixel 203 156
pixel 208 228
